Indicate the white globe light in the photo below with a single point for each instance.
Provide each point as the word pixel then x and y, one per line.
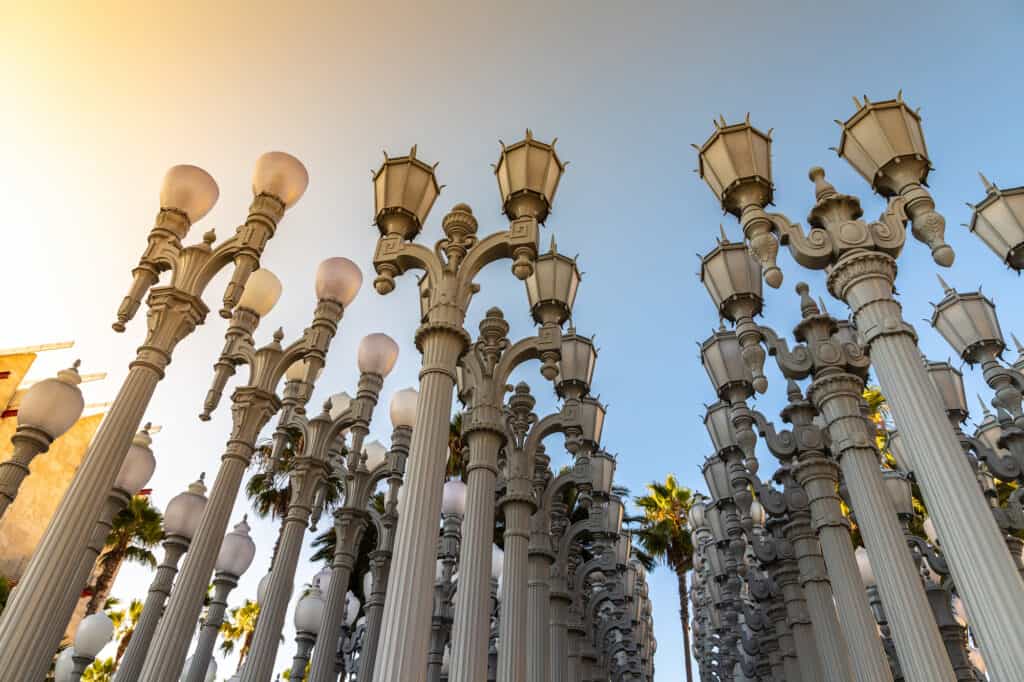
pixel 185 510
pixel 497 562
pixel 867 574
pixel 309 612
pixel 189 189
pixel 237 551
pixel 351 608
pixel 62 668
pixel 53 405
pixel 138 465
pixel 367 584
pixel 377 354
pixel 261 293
pixel 338 279
pixel 94 632
pixel 323 579
pixel 453 500
pixel 339 403
pixel 403 407
pixel 297 371
pixel 281 175
pixel 376 453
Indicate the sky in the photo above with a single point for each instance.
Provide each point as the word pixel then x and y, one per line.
pixel 101 98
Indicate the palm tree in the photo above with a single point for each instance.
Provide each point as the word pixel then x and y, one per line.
pixel 456 466
pixel 124 621
pixel 135 531
pixel 239 626
pixel 665 535
pixel 100 670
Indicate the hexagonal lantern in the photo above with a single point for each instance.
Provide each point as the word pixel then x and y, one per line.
pixel 736 163
pixel 717 526
pixel 898 486
pixel 999 221
pixel 716 474
pixel 552 286
pixel 884 142
pixel 732 277
pixel 969 324
pixel 623 545
pixel 528 173
pixel 576 366
pixel 602 471
pixel 612 513
pixel 404 189
pixel 718 422
pixel 720 355
pixel 989 432
pixel 950 383
pixel 592 418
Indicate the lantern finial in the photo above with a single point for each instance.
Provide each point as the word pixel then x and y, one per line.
pixel 946 289
pixel 989 187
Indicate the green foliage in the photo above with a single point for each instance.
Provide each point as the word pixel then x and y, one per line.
pixel 100 670
pixel 135 531
pixel 238 629
pixel 457 450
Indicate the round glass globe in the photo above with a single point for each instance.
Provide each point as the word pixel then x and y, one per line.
pixel 351 608
pixel 367 584
pixel 185 510
pixel 867 574
pixel 403 408
pixel 376 453
pixel 237 551
pixel 261 293
pixel 138 465
pixel 497 562
pixel 62 668
pixel 189 189
pixel 322 580
pixel 281 175
pixel 453 499
pixel 338 279
pixel 53 405
pixel 377 354
pixel 309 612
pixel 94 632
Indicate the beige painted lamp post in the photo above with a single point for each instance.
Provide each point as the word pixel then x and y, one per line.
pixel 253 404
pixel 47 411
pixel 884 142
pixel 405 189
pixel 175 309
pixel 998 220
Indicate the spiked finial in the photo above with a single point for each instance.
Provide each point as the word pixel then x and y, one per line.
pixel 808 308
pixel 989 187
pixel 724 239
pixel 946 289
pixel 984 407
pixel 278 334
pixel 1017 344
pixel 821 304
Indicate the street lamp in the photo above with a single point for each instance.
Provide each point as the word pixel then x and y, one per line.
pixel 308 614
pixel 48 409
pixel 94 632
pixel 405 189
pixel 233 560
pixel 998 220
pixel 181 518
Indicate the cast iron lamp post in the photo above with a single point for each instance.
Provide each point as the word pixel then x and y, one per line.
pixel 405 189
pixel 93 633
pixel 235 556
pixel 175 310
pixel 484 377
pixel 48 409
pixel 181 518
pixel 337 282
pixel 309 470
pixel 449 551
pixel 885 144
pixel 308 614
pixel 350 522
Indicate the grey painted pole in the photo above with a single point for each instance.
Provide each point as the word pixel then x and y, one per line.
pixel 28 442
pixel 515 581
pixel 303 645
pixel 538 643
pixel 380 564
pixel 131 664
pixel 223 583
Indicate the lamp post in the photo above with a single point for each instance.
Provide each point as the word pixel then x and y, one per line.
pixel 405 189
pixel 308 614
pixel 377 356
pixel 351 518
pixel 337 281
pixel 998 220
pixel 485 372
pixel 175 310
pixel 885 144
pixel 235 556
pixel 48 409
pixel 93 633
pixel 449 552
pixel 181 518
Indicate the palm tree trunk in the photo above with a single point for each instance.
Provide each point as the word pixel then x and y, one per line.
pixel 684 616
pixel 105 580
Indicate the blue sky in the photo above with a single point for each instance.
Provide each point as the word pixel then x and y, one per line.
pixel 103 100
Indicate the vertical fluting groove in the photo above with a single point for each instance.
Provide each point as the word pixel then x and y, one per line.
pixel 170 644
pixel 349 529
pixel 260 663
pixel 559 637
pixel 471 625
pixel 515 581
pixel 917 639
pixel 537 616
pixel 52 573
pixel 826 631
pixel 222 585
pixel 374 615
pixel 152 610
pixel 402 651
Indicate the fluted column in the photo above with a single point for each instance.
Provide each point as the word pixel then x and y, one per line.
pixel 349 526
pixel 138 646
pixel 801 652
pixel 560 602
pixel 303 645
pixel 403 648
pixel 41 600
pixel 515 579
pixel 538 652
pixel 576 635
pixel 380 565
pixel 992 590
pixel 223 583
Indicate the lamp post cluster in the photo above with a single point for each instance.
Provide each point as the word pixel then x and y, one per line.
pixel 779 590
